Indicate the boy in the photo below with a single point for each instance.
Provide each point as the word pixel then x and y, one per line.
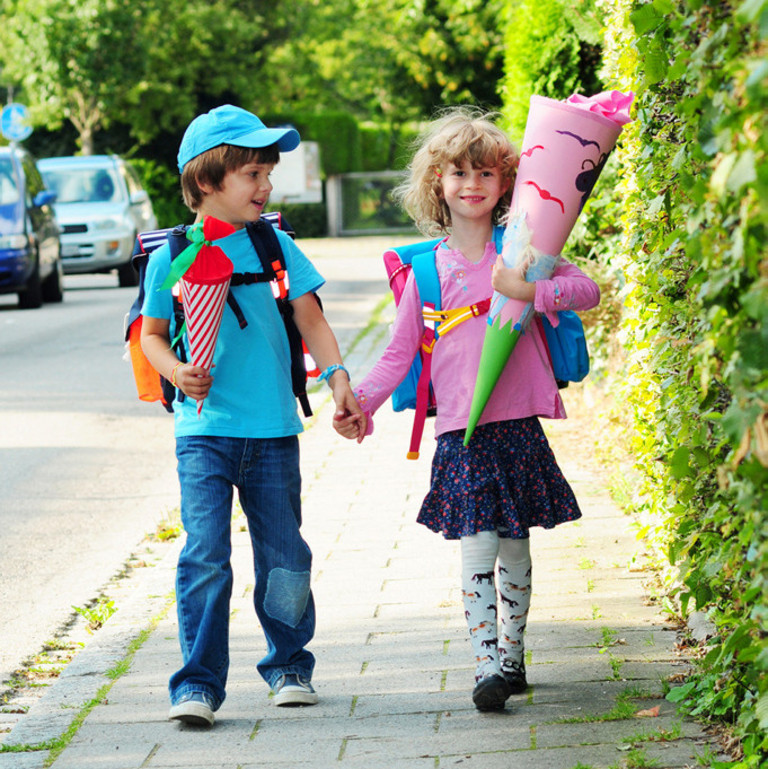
pixel 246 435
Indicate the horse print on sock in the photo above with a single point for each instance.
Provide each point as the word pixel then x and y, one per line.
pixel 486 576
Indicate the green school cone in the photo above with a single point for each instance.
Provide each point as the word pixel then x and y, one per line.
pixel 497 347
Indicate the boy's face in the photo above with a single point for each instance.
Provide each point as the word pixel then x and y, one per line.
pixel 243 195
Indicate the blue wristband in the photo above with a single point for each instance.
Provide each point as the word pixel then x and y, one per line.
pixel 331 370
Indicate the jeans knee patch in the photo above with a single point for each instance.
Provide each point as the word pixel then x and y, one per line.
pixel 287 595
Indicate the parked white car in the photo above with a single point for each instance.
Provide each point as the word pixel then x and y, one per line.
pixel 101 207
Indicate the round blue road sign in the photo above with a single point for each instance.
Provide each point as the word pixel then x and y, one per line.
pixel 14 122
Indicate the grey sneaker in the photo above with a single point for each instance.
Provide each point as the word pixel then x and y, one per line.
pixel 292 689
pixel 194 708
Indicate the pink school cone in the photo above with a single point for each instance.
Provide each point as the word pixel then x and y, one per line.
pixel 565 147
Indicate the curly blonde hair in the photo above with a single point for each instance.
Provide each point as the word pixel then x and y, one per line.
pixel 460 134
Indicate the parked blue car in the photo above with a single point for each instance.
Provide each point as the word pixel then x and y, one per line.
pixel 30 248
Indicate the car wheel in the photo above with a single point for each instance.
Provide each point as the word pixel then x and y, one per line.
pixel 53 290
pixel 127 276
pixel 32 296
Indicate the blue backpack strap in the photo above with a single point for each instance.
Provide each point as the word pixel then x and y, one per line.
pixel 427 280
pixel 407 252
pixel 428 283
pixel 498 237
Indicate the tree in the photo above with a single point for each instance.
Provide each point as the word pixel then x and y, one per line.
pixel 74 58
pixel 151 64
pixel 203 54
pixel 392 60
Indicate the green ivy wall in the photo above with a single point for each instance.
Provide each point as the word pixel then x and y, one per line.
pixel 691 207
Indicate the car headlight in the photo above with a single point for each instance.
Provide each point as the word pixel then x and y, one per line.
pixel 106 224
pixel 13 241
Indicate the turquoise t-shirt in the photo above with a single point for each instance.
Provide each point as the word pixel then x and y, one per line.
pixel 251 395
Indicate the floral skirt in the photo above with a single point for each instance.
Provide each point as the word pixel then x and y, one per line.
pixel 507 479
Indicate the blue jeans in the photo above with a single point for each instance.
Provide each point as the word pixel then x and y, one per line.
pixel 267 476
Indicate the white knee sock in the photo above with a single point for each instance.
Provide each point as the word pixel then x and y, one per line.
pixel 478 564
pixel 514 601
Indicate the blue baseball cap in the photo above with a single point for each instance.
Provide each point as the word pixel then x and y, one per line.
pixel 232 125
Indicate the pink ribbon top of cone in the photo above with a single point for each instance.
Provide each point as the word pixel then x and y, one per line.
pixel 611 104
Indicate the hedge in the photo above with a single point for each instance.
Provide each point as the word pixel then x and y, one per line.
pixel 552 49
pixel 694 209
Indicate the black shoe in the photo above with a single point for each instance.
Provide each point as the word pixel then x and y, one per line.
pixel 515 678
pixel 491 693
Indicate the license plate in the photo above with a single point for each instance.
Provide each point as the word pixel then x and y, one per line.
pixel 70 251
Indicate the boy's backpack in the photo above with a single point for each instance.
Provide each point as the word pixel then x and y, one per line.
pixel 566 344
pixel 153 387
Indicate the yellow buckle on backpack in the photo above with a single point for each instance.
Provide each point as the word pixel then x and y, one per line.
pixel 447 320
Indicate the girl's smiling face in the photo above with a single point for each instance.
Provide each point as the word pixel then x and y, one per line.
pixel 242 197
pixel 472 193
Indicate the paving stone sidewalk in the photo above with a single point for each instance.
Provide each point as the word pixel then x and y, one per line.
pixel 394 664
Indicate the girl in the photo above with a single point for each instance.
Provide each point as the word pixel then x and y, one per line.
pixel 489 494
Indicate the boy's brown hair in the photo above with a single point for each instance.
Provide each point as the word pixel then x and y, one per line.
pixel 212 166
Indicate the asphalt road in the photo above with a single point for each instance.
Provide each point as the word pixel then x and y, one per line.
pixel 86 469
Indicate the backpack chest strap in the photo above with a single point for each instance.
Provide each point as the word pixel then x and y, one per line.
pixel 444 321
pixel 248 278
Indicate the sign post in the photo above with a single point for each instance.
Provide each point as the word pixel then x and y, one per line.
pixel 14 122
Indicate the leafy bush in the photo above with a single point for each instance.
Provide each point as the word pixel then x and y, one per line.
pixel 164 190
pixel 379 145
pixel 552 49
pixel 387 148
pixel 695 215
pixel 337 133
pixel 309 220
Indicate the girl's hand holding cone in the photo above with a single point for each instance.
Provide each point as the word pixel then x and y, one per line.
pixel 511 282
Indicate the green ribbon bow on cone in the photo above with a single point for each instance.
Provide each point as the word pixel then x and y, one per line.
pixel 201 262
pixel 185 259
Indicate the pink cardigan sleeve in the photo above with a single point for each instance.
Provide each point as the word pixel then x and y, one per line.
pixel 568 289
pixel 391 368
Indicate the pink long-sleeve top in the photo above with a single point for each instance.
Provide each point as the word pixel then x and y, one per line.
pixel 526 387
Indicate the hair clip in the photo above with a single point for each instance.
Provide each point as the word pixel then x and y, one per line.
pixel 439 173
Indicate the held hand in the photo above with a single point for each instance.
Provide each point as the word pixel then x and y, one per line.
pixel 194 381
pixel 350 426
pixel 349 420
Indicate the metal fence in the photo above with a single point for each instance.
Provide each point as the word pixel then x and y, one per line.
pixel 361 204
